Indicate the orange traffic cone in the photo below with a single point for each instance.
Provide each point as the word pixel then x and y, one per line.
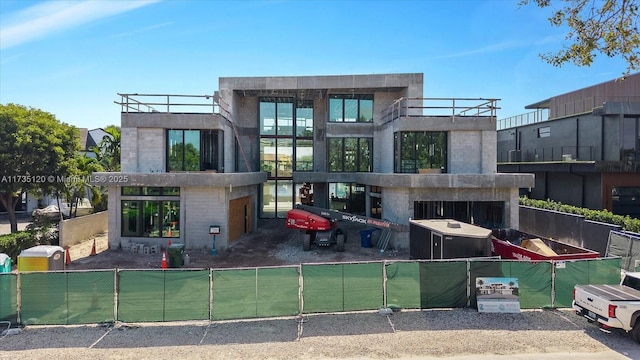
pixel 169 234
pixel 164 260
pixel 93 248
pixel 67 259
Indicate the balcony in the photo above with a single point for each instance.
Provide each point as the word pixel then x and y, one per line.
pixel 440 107
pixel 548 154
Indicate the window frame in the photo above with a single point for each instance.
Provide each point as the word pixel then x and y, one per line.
pixel 343 100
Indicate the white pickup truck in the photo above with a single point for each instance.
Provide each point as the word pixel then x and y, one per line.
pixel 611 306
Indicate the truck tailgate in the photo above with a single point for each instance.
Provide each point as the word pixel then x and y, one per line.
pixel 612 292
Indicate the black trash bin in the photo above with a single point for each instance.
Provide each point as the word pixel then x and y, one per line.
pixel 176 255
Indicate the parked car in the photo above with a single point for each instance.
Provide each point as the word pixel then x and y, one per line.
pixel 611 306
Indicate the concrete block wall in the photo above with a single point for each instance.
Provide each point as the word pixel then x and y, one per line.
pixel 151 150
pixel 76 230
pixel 489 143
pixel 465 152
pixel 203 206
pixel 129 149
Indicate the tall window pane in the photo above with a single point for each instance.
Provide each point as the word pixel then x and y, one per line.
pixel 408 152
pixel 174 150
pixel 150 219
pixel 269 199
pixel 364 164
pixel 267 118
pixel 304 119
pixel 366 110
pixel 336 154
pixel 192 150
pixel 285 197
pixel 350 154
pixel 171 218
pixel 304 155
pixel 268 156
pixel 285 119
pixel 350 110
pixel 284 158
pixel 335 110
pixel 129 218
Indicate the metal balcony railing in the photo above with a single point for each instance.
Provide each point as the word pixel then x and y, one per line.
pixel 549 154
pixel 523 119
pixel 440 107
pixel 165 103
pixel 561 110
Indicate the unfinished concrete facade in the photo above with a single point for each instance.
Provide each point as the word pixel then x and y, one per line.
pixel 366 144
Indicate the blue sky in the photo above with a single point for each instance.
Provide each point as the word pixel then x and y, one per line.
pixel 71 58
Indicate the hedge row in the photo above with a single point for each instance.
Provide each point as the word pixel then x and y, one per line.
pixel 12 244
pixel 628 223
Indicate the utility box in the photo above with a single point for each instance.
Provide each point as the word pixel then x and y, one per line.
pixel 176 255
pixel 447 239
pixel 5 263
pixel 41 258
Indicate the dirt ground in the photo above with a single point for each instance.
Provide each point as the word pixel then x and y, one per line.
pixel 271 245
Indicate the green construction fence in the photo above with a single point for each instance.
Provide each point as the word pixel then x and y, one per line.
pixel 83 297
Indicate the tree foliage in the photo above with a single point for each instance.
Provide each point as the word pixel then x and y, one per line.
pixel 608 27
pixel 36 150
pixel 108 150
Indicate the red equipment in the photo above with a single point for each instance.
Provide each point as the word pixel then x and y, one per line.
pixel 321 225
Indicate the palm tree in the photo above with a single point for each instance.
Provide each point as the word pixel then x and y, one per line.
pixel 108 150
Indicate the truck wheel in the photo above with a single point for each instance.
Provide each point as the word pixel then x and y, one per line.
pixel 306 242
pixel 340 242
pixel 635 332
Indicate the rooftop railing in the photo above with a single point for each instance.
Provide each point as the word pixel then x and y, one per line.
pixel 165 103
pixel 556 111
pixel 532 117
pixel 440 107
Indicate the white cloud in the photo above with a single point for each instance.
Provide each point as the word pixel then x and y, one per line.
pixel 53 16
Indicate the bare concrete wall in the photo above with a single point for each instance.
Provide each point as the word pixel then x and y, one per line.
pixel 74 231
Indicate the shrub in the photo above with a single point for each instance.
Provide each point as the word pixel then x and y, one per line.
pixel 626 222
pixel 12 244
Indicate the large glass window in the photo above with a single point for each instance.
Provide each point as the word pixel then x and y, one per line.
pixel 422 151
pixel 351 108
pixel 193 150
pixel 277 198
pixel 286 144
pixel 150 217
pixel 347 197
pixel 350 154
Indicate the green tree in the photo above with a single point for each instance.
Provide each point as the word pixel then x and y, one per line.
pixel 79 187
pixel 608 27
pixel 108 150
pixel 36 150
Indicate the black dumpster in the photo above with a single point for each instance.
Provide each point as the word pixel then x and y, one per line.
pixel 176 255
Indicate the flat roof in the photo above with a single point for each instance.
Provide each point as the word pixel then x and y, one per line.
pixel 453 228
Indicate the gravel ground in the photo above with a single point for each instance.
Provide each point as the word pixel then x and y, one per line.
pixel 447 333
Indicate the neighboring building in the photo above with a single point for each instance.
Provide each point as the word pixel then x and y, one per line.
pixel 365 144
pixel 93 139
pixel 583 147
